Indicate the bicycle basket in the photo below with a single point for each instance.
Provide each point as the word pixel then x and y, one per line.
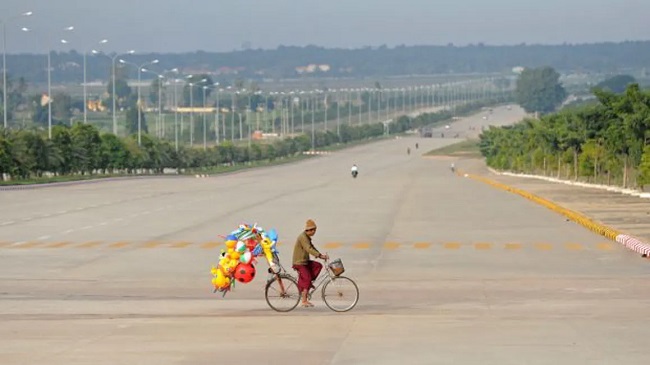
pixel 337 267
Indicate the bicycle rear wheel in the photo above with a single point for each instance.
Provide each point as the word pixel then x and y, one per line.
pixel 340 294
pixel 282 293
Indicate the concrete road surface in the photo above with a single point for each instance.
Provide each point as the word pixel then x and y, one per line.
pixel 450 271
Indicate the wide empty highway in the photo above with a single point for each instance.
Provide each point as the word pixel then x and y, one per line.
pixel 451 271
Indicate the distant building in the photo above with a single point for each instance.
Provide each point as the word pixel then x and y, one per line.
pixel 45 99
pixel 95 106
pixel 311 68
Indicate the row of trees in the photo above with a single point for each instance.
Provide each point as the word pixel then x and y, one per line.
pixel 607 142
pixel 82 149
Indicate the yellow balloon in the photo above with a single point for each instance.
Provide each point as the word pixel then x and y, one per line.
pixel 235 255
pixel 221 281
pixel 266 247
pixel 231 244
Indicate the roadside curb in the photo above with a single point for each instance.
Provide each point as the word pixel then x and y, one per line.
pixel 616 189
pixel 628 241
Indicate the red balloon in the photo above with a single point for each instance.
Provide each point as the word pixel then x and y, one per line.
pixel 250 244
pixel 244 273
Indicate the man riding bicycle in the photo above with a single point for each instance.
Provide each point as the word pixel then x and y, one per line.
pixel 308 270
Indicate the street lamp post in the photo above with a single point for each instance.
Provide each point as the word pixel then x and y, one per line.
pixel 313 131
pixel 161 118
pixel 4 61
pixel 159 79
pixel 113 95
pixel 191 84
pixel 205 133
pixel 338 114
pixel 176 81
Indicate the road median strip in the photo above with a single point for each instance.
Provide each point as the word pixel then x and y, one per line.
pixel 628 241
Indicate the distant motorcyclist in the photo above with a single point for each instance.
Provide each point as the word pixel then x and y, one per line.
pixel 453 167
pixel 408 150
pixel 354 170
pixel 417 146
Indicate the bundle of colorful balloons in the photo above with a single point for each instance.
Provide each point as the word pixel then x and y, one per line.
pixel 237 263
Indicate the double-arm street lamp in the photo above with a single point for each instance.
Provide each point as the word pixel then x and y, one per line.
pixel 49 78
pixel 191 85
pixel 4 60
pixel 140 69
pixel 113 96
pixel 103 41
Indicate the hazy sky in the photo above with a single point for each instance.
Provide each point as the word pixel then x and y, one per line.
pixel 224 25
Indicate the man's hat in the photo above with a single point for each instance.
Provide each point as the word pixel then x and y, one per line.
pixel 310 224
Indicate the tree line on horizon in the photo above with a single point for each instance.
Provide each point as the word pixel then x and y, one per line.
pixel 284 61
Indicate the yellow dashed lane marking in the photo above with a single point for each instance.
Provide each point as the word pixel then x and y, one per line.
pixel 58 245
pixel 89 245
pixel 118 244
pixel 451 245
pixel 573 246
pixel 391 245
pixel 211 245
pixel 332 245
pixel 544 246
pixel 605 246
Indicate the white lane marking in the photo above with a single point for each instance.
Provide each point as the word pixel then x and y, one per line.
pixel 42 238
pixel 18 243
pixel 7 223
pixel 62 211
pixel 68 231
pixel 27 219
pixel 86 227
pixel 103 223
pixel 118 219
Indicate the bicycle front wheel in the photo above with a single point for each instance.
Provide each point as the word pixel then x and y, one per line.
pixel 282 293
pixel 340 294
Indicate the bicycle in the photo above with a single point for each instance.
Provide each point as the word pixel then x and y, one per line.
pixel 283 286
